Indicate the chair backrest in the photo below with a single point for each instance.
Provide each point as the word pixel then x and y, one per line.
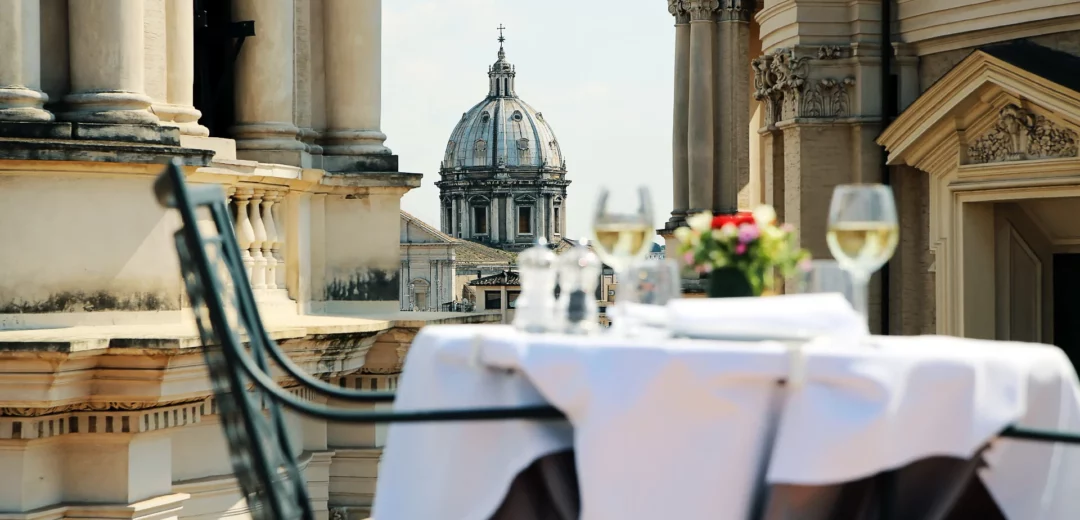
pixel 224 306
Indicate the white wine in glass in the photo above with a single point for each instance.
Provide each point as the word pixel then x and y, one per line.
pixel 616 241
pixel 622 230
pixel 863 231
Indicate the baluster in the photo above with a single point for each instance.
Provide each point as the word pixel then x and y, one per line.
pixel 279 245
pixel 268 202
pixel 258 271
pixel 245 234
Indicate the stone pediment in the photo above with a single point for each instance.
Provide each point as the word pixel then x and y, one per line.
pixel 1000 104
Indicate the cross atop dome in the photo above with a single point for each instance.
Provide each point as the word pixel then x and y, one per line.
pixel 502 52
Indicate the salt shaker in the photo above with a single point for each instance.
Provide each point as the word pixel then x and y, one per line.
pixel 535 309
pixel 579 272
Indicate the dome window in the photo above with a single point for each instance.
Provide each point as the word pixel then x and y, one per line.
pixel 517 116
pixel 540 116
pixel 485 117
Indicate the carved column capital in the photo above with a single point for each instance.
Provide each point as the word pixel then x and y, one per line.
pixel 677 8
pixel 735 10
pixel 782 81
pixel 701 10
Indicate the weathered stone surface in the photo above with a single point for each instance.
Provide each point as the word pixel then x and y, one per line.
pixel 366 285
pixel 372 163
pixel 372 179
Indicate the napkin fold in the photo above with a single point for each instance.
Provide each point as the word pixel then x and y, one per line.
pixel 778 317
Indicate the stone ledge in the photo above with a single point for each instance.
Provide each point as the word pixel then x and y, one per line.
pixel 373 163
pixel 26 149
pixel 167 338
pixel 372 179
pixel 140 134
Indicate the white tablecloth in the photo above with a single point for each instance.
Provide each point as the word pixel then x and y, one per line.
pixel 678 428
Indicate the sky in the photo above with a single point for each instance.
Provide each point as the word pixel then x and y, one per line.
pixel 600 71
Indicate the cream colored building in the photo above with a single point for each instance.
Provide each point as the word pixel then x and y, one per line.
pixel 105 407
pixel 779 101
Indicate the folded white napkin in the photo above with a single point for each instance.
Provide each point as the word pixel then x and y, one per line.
pixel 779 317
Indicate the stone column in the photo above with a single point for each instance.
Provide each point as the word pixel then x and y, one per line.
pixel 680 167
pixel 493 219
pixel 700 122
pixel 106 46
pixel 731 171
pixel 264 80
pixel 453 216
pixel 353 50
pixel 21 98
pixel 180 49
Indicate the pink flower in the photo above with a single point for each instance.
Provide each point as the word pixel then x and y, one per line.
pixel 740 249
pixel 748 233
pixel 688 258
pixel 787 228
pixel 806 265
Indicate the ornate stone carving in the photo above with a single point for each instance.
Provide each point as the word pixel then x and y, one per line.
pixel 777 77
pixel 108 406
pixel 481 147
pixel 677 9
pixel 826 98
pixel 735 10
pixel 701 10
pixel 781 83
pixel 830 52
pixel 1020 134
pixel 339 513
pixel 523 144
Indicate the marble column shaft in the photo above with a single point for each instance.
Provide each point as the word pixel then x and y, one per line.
pixel 21 98
pixel 700 140
pixel 264 78
pixel 680 165
pixel 731 111
pixel 107 53
pixel 353 54
pixel 180 49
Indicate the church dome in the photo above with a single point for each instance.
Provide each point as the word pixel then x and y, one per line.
pixel 502 131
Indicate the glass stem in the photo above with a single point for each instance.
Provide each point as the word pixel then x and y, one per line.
pixel 860 298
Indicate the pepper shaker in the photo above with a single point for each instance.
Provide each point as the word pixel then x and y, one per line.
pixel 536 305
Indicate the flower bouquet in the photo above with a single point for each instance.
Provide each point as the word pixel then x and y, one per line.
pixel 740 253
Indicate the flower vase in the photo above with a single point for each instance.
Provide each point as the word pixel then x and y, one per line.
pixel 729 282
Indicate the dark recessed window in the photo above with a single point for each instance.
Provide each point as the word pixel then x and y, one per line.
pixel 558 220
pixel 480 220
pixel 493 300
pixel 511 299
pixel 525 220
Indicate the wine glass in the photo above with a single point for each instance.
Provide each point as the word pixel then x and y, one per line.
pixel 622 230
pixel 862 235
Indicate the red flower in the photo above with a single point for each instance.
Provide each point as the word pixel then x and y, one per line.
pixel 738 219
